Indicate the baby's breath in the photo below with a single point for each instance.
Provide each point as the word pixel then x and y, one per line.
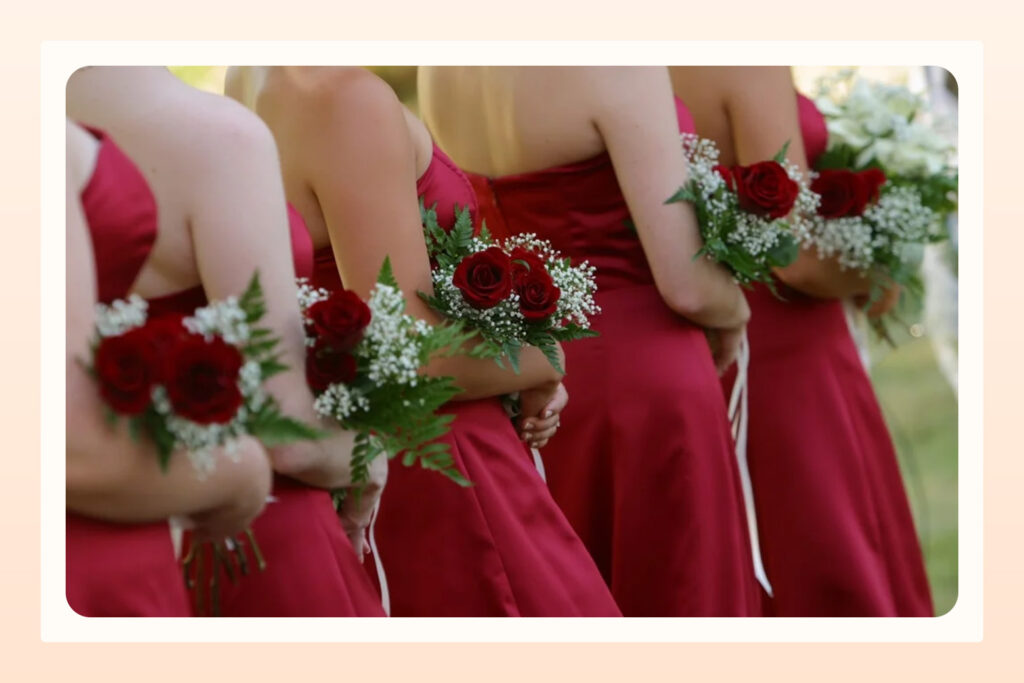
pixel 120 316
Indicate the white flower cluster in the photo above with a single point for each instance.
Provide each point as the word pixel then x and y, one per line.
pixel 577 284
pixel 200 440
pixel 893 230
pixel 340 402
pixel 308 294
pixel 391 342
pixel 120 316
pixel 224 319
pixel 390 350
pixel 886 124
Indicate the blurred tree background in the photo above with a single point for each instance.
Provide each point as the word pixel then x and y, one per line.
pixel 919 405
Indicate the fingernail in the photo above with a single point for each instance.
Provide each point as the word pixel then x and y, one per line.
pixel 528 426
pixel 548 413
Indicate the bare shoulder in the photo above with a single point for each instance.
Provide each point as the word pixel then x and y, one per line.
pixel 615 88
pixel 348 93
pixel 349 109
pixel 207 134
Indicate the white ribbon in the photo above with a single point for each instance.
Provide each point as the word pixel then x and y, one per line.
pixel 858 331
pixel 538 462
pixel 382 579
pixel 739 417
pixel 177 525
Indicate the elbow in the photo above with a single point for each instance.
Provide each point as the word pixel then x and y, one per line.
pixel 685 301
pixel 90 481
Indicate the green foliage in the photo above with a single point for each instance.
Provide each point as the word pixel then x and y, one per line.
pixel 403 419
pixel 267 423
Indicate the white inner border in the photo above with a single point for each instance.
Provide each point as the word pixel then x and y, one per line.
pixel 963 624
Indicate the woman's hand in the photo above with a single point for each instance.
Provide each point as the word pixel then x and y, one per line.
pixel 357 510
pixel 254 477
pixel 725 346
pixel 890 297
pixel 541 410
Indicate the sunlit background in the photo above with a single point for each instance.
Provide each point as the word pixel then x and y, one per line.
pixel 918 399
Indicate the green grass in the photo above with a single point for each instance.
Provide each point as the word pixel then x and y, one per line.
pixel 921 411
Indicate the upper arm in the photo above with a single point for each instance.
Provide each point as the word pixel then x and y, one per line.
pixel 237 212
pixel 762 108
pixel 361 164
pixel 80 269
pixel 636 116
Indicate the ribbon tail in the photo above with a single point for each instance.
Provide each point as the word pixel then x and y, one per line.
pixel 539 463
pixel 382 579
pixel 739 417
pixel 177 526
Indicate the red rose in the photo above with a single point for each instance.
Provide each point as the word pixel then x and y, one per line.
pixel 326 366
pixel 523 262
pixel 538 294
pixel 873 179
pixel 764 188
pixel 484 278
pixel 726 175
pixel 202 380
pixel 127 367
pixel 339 320
pixel 165 331
pixel 842 193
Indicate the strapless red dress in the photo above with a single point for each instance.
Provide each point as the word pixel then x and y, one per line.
pixel 643 464
pixel 311 568
pixel 836 531
pixel 498 548
pixel 120 570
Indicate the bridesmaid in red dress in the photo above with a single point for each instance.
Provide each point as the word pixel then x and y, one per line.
pixel 836 530
pixel 222 215
pixel 354 161
pixel 643 465
pixel 119 556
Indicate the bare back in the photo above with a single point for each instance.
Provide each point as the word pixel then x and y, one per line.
pixel 498 121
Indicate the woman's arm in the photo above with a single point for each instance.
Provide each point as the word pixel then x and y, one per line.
pixel 109 474
pixel 360 160
pixel 751 112
pixel 239 226
pixel 635 115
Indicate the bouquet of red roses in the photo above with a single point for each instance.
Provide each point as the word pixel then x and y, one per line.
pixel 743 210
pixel 192 382
pixel 514 293
pixel 363 361
pixel 887 182
pixel 872 224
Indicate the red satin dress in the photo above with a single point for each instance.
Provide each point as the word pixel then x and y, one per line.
pixel 120 570
pixel 643 464
pixel 311 568
pixel 498 548
pixel 836 531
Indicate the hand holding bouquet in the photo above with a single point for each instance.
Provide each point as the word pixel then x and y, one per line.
pixel 195 382
pixel 515 293
pixel 885 184
pixel 743 210
pixel 363 362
